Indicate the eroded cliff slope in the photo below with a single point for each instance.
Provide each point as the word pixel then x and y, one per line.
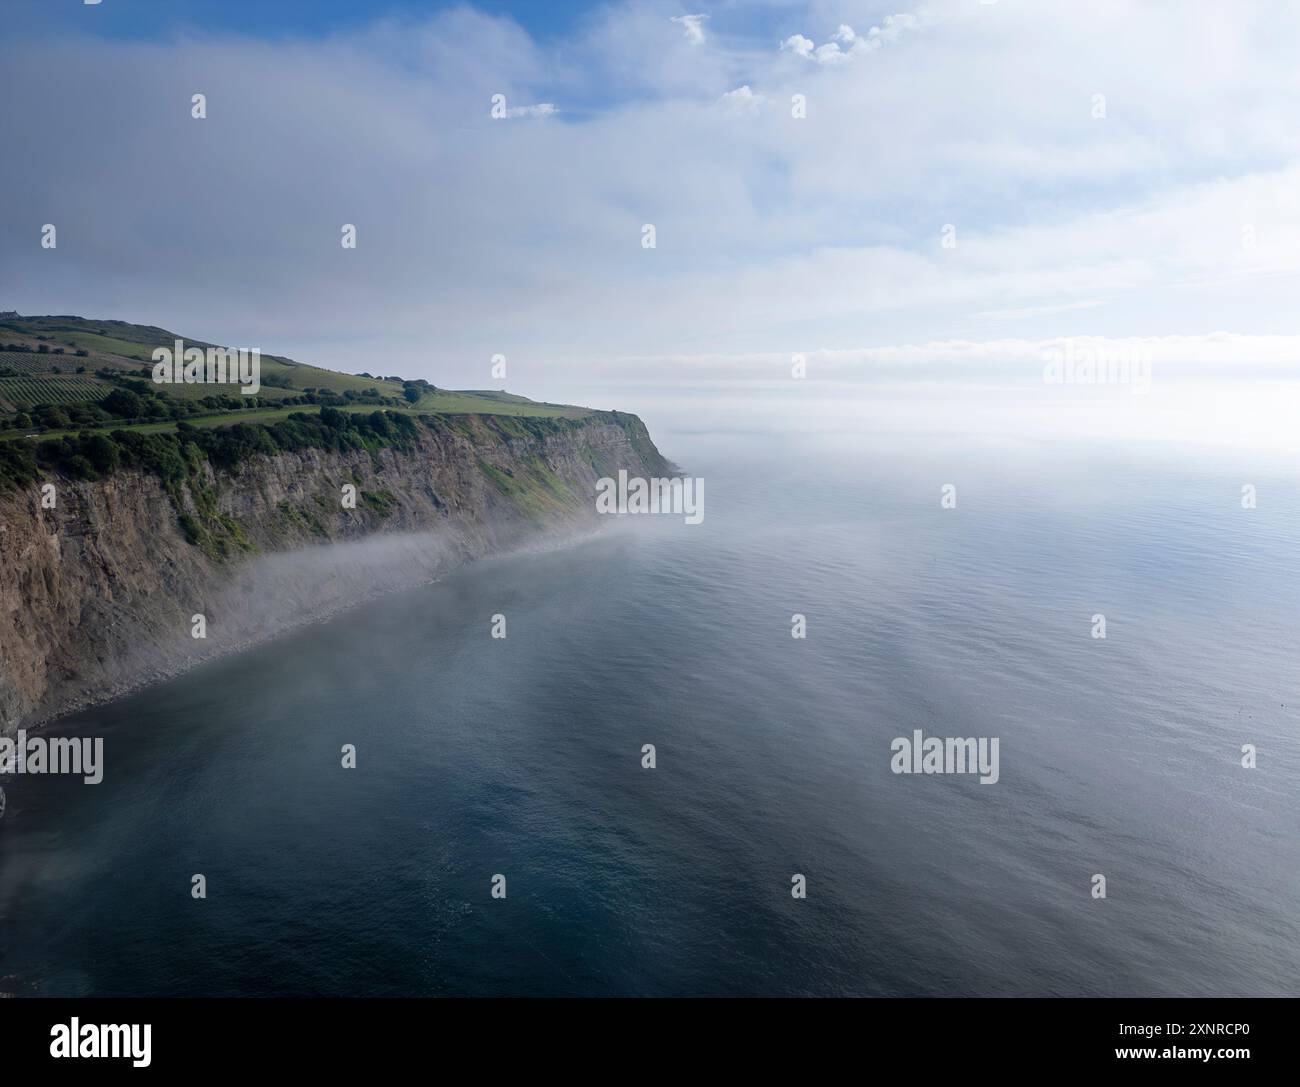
pixel 100 593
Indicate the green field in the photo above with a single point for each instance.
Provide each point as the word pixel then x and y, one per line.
pixel 454 404
pixel 102 337
pixel 449 402
pixel 30 362
pixel 198 391
pixel 21 392
pixel 106 345
pixel 121 347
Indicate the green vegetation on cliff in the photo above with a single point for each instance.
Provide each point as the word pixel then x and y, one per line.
pixel 195 445
pixel 59 375
pixel 191 461
pixel 178 455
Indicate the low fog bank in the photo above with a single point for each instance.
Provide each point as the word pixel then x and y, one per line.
pixel 275 593
pixel 1183 419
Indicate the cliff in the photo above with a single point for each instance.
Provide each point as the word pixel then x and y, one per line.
pixel 98 595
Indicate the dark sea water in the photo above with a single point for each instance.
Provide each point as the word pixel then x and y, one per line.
pixel 522 756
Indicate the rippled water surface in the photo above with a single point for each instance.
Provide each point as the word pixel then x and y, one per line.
pixel 522 757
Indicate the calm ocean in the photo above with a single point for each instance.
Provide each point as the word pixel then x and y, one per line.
pixel 522 756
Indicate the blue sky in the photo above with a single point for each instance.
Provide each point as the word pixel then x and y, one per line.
pixel 1124 170
pixel 154 19
pixel 545 20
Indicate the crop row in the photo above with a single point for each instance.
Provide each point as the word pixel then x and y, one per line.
pixel 24 391
pixel 29 362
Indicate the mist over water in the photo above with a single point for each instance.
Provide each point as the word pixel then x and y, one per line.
pixel 522 756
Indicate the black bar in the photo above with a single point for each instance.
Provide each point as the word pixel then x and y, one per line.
pixel 615 1038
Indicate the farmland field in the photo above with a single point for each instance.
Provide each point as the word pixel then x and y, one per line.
pixel 127 348
pixel 199 390
pixel 451 402
pixel 29 362
pixel 106 345
pixel 25 391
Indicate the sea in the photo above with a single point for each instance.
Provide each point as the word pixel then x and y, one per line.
pixel 503 831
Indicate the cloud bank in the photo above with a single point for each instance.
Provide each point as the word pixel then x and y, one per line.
pixel 964 173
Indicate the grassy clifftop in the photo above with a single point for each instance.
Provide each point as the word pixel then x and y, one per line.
pixel 77 399
pixel 177 453
pixel 59 374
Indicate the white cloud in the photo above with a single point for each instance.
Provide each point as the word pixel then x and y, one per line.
pixel 846 44
pixel 894 26
pixel 542 109
pixel 830 53
pixel 1176 357
pixel 742 101
pixel 692 27
pixel 798 45
pixel 774 236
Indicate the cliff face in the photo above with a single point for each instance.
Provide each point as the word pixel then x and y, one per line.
pixel 99 595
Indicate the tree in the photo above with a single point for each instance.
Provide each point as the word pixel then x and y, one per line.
pixel 124 403
pixel 101 452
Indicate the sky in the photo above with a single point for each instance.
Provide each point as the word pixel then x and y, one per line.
pixel 885 190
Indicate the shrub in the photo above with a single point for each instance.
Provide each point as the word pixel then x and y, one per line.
pixel 124 403
pixel 102 452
